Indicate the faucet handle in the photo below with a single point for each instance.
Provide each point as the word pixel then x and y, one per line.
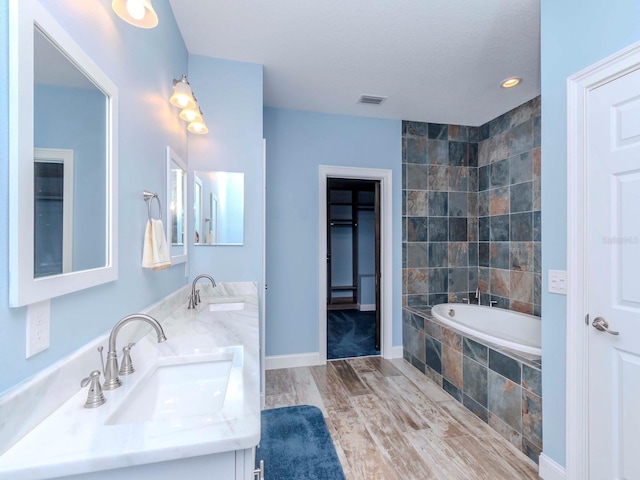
pixel 95 398
pixel 126 367
pixel 197 300
pixel 191 303
pixel 100 348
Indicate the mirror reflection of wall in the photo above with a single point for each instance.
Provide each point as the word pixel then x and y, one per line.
pixel 176 221
pixel 177 208
pixel 70 113
pixel 219 208
pixel 197 208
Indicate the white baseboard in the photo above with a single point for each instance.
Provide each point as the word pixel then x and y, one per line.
pixel 275 362
pixel 550 470
pixel 368 307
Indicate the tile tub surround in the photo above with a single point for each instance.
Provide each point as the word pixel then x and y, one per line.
pixel 471 211
pixel 501 387
pixel 82 443
pixel 439 209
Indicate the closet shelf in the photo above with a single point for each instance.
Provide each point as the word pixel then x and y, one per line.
pixel 343 223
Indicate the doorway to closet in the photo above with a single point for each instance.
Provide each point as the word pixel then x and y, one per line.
pixel 353 267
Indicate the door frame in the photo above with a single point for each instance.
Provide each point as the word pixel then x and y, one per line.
pixel 66 157
pixel 577 347
pixel 386 252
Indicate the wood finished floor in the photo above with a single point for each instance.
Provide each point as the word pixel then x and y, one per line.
pixel 389 422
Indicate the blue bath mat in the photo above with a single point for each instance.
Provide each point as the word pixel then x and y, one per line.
pixel 296 445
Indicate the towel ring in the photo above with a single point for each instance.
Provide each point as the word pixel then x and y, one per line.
pixel 148 196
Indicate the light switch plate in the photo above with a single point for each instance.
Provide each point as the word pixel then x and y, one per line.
pixel 558 281
pixel 38 322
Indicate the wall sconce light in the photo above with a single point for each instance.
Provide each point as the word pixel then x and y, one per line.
pixel 191 115
pixel 190 112
pixel 182 95
pixel 198 126
pixel 139 13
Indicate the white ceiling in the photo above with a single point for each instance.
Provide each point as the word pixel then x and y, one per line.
pixel 438 61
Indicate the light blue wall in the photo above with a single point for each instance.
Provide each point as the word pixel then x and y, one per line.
pixel 366 256
pixel 341 259
pixel 575 34
pixel 75 119
pixel 297 143
pixel 232 210
pixel 230 95
pixel 142 64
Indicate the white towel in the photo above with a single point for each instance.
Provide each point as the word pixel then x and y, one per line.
pixel 155 253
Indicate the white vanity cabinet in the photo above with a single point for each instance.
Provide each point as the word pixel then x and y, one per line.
pixel 238 465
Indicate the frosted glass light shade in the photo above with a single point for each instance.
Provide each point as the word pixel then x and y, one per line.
pixel 199 128
pixel 139 13
pixel 182 95
pixel 191 115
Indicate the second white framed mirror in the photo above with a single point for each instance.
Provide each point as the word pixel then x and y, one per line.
pixel 177 212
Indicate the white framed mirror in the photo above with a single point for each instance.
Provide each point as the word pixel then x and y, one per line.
pixel 218 208
pixel 63 162
pixel 177 212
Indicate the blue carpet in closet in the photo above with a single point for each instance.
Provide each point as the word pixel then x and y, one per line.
pixel 351 333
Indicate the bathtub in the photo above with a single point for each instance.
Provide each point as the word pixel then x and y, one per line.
pixel 514 330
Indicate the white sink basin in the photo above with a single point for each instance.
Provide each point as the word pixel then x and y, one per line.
pixel 175 389
pixel 226 307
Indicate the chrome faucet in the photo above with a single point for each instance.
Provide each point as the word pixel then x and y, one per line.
pixel 111 380
pixel 194 298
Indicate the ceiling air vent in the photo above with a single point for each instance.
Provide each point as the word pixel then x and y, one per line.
pixel 371 99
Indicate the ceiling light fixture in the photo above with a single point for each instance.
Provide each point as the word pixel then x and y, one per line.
pixel 190 112
pixel 511 82
pixel 139 13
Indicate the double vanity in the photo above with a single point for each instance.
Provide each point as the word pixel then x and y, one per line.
pixel 185 406
pixel 190 408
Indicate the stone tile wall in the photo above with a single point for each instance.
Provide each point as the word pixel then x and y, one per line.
pixel 440 203
pixel 499 386
pixel 509 248
pixel 471 211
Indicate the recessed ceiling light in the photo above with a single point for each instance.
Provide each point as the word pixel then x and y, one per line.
pixel 511 82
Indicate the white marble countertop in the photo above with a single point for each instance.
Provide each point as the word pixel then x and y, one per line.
pixel 74 440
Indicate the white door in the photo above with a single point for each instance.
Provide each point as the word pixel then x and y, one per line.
pixel 613 266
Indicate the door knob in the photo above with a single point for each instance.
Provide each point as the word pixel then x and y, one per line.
pixel 602 325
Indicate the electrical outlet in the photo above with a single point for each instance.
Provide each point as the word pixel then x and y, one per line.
pixel 558 281
pixel 38 321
